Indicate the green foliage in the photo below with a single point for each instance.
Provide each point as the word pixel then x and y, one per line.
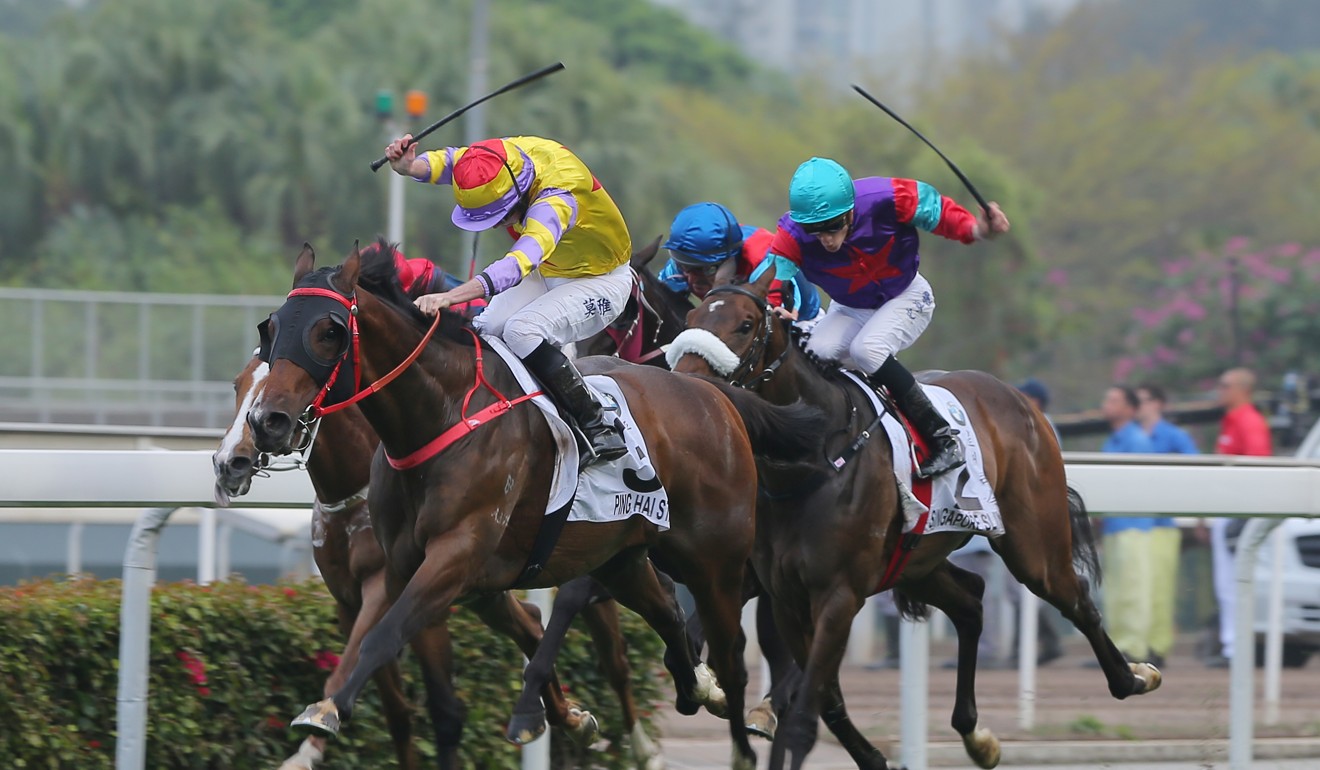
pixel 231 664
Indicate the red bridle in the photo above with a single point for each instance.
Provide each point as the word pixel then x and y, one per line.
pixel 464 426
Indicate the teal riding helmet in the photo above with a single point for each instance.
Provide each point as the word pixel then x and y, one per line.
pixel 821 190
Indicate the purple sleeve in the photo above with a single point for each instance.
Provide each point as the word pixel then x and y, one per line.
pixel 548 218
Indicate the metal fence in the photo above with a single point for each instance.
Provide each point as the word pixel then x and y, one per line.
pixel 123 357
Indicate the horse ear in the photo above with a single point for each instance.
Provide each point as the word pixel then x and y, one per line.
pixel 643 256
pixel 761 286
pixel 347 277
pixel 304 263
pixel 726 273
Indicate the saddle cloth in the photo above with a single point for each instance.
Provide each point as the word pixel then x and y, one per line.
pixel 961 500
pixel 610 491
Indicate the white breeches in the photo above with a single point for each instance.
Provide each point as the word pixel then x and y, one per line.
pixel 556 310
pixel 865 338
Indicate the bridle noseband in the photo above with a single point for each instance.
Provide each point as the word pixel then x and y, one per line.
pixel 759 344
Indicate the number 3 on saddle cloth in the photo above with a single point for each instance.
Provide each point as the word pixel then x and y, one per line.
pixel 609 491
pixel 961 500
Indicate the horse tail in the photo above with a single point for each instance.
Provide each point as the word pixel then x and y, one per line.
pixel 785 433
pixel 1086 560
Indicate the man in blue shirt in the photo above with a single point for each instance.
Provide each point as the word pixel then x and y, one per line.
pixel 1165 541
pixel 1129 579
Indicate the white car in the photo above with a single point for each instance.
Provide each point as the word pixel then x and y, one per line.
pixel 1301 578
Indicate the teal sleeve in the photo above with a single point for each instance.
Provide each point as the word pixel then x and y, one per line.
pixel 785 268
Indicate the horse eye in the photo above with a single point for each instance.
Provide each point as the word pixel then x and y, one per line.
pixel 745 327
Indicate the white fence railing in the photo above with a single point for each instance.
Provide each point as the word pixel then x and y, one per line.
pixel 1265 489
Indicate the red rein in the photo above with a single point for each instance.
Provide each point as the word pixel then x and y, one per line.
pixel 434 447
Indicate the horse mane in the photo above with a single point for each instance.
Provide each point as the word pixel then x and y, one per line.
pixel 379 276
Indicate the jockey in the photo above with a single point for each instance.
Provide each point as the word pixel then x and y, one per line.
pixel 422 276
pixel 706 236
pixel 858 241
pixel 566 276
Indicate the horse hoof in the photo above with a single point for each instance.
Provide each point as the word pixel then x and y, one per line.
pixel 306 758
pixel 587 727
pixel 741 762
pixel 1148 677
pixel 762 721
pixel 646 754
pixel 525 728
pixel 983 747
pixel 322 716
pixel 708 692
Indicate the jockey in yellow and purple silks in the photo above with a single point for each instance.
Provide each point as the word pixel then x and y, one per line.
pixel 857 240
pixel 567 275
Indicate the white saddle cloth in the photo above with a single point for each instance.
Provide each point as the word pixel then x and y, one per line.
pixel 961 500
pixel 609 491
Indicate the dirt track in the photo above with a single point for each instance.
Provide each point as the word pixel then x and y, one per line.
pixel 1072 703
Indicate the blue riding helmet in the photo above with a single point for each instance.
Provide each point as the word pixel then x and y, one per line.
pixel 704 234
pixel 820 190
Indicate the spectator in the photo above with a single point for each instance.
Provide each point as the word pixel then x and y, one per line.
pixel 1243 432
pixel 1164 541
pixel 1038 394
pixel 1128 590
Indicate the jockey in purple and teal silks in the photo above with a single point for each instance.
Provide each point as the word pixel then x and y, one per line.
pixel 857 240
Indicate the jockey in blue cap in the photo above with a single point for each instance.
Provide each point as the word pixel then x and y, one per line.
pixel 707 246
pixel 857 240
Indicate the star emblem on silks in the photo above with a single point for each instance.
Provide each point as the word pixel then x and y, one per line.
pixel 864 267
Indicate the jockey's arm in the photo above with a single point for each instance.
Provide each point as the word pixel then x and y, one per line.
pixel 673 278
pixel 548 218
pixel 921 205
pixel 434 166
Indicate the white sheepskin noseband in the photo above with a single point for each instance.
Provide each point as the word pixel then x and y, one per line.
pixel 702 343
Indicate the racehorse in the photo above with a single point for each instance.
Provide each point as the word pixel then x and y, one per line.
pixel 352 564
pixel 825 539
pixel 465 527
pixel 651 319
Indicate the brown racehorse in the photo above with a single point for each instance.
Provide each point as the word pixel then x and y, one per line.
pixel 352 564
pixel 461 525
pixel 825 539
pixel 652 318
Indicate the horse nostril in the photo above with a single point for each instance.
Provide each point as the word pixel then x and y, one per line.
pixel 239 465
pixel 272 425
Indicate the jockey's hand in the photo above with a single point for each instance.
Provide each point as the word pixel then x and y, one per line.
pixel 401 159
pixel 784 312
pixel 991 223
pixel 434 303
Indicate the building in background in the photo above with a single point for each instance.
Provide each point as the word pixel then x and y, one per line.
pixel 842 39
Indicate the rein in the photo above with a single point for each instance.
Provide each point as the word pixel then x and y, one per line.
pixel 315 411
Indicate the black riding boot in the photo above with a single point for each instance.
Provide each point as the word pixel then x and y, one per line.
pixel 566 387
pixel 945 453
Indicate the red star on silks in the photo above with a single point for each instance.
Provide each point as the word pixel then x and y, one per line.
pixel 865 267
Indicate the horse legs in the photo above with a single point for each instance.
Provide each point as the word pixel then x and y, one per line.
pixel 957 593
pixel 835 715
pixel 529 715
pixel 602 619
pixel 398 712
pixel 720 610
pixel 1050 574
pixel 784 672
pixel 428 594
pixel 435 655
pixel 797 732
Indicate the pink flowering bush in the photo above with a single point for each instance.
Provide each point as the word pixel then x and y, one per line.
pixel 1186 335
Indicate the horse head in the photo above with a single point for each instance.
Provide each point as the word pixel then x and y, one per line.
pixel 307 343
pixel 237 460
pixel 729 334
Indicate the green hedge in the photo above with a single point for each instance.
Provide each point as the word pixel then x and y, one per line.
pixel 231 664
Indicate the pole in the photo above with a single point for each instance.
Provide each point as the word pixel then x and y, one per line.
pixel 914 647
pixel 1027 619
pixel 1274 630
pixel 474 123
pixel 1241 669
pixel 135 639
pixel 394 218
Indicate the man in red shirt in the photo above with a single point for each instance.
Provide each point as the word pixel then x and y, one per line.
pixel 1244 431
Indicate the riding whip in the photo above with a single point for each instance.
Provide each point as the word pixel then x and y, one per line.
pixel 953 167
pixel 520 82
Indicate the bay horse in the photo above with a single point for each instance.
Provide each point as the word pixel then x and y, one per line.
pixel 352 564
pixel 651 320
pixel 825 539
pixel 460 525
